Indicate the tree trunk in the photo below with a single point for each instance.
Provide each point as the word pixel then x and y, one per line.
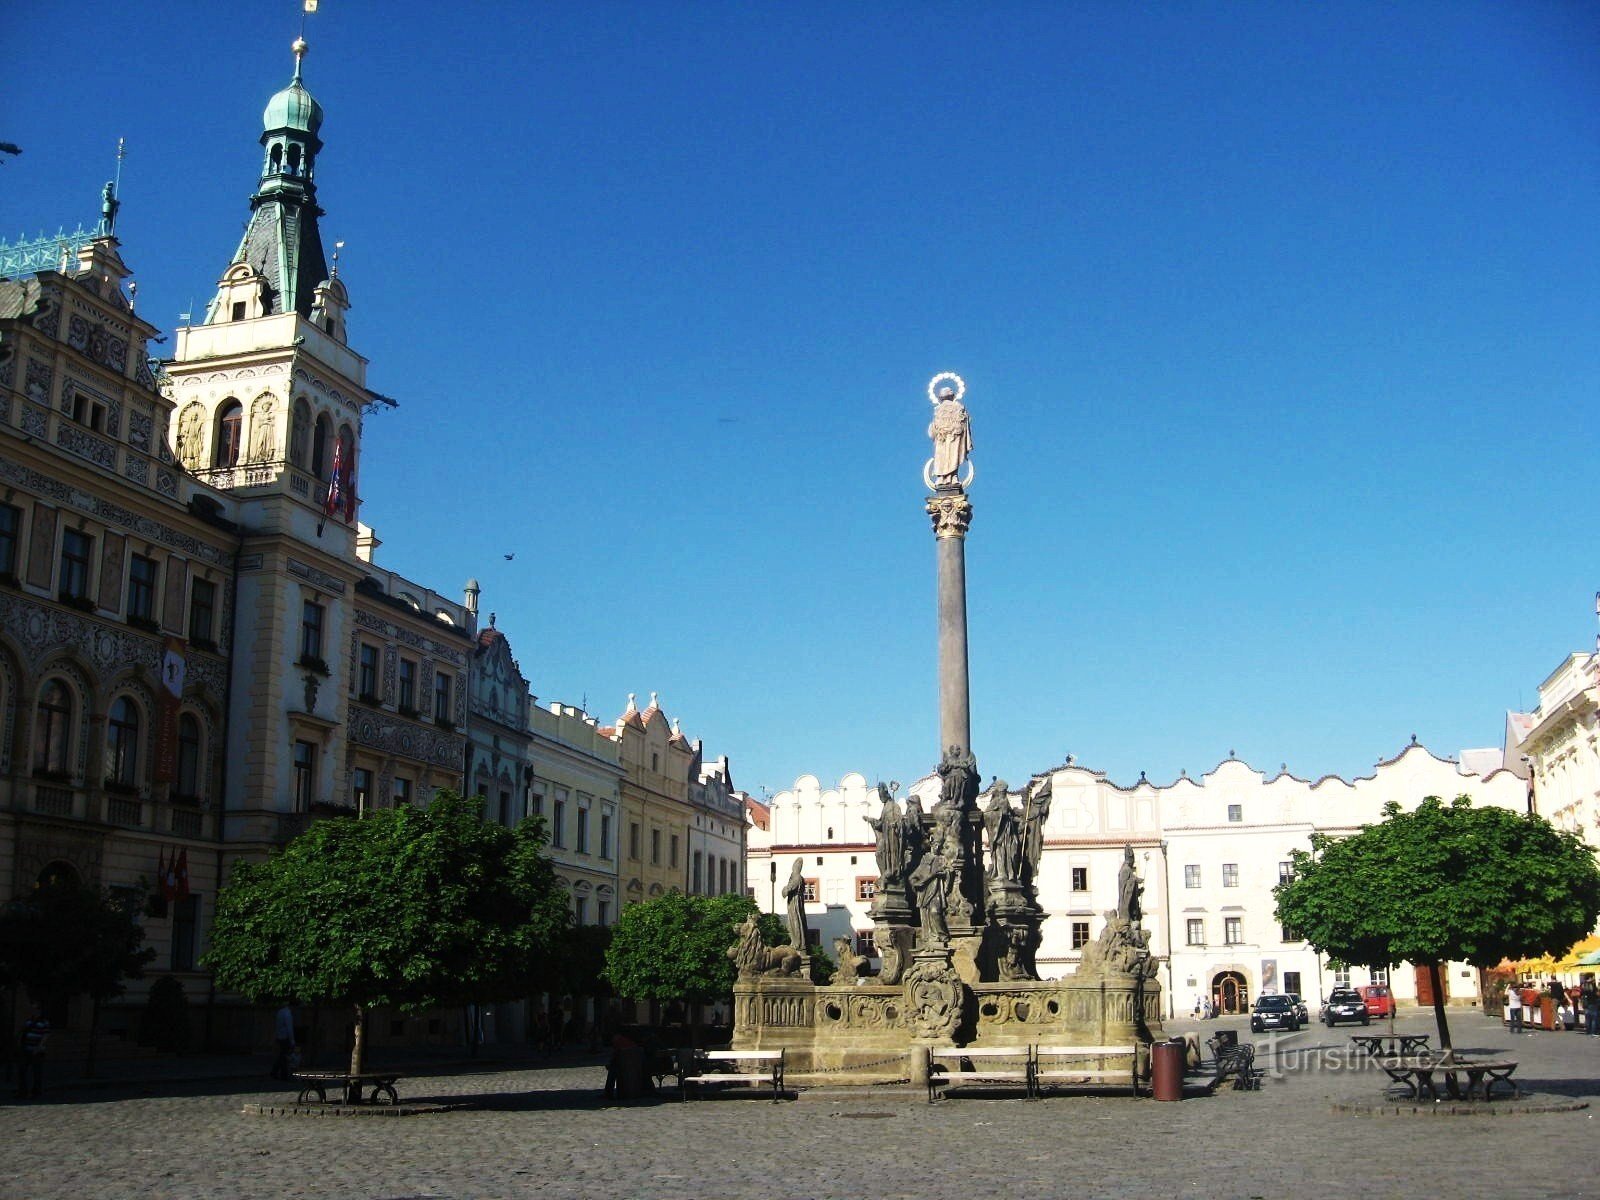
pixel 94 1031
pixel 358 1042
pixel 1436 980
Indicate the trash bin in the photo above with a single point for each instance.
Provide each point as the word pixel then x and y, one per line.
pixel 1166 1070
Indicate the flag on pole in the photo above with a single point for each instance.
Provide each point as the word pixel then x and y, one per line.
pixel 161 871
pixel 335 498
pixel 181 885
pixel 349 488
pixel 169 881
pixel 311 5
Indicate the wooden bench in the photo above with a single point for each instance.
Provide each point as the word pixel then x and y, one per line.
pixel 1397 1045
pixel 945 1068
pixel 1064 1071
pixel 1237 1059
pixel 351 1086
pixel 1417 1076
pixel 701 1068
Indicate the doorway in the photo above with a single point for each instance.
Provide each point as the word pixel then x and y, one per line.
pixel 1229 992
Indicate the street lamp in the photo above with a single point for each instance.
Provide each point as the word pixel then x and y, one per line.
pixel 772 886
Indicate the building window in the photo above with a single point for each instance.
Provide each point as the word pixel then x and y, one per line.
pixel 52 729
pixel 361 788
pixel 1235 812
pixel 122 744
pixel 1341 977
pixel 655 761
pixel 141 589
pixel 811 893
pixel 655 847
pixel 580 910
pixel 305 776
pixel 311 616
pixel 602 912
pixel 408 687
pixel 537 801
pixel 202 612
pixel 674 860
pixel 583 830
pixel 866 887
pixel 321 432
pixel 1230 875
pixel 865 943
pixel 1290 933
pixel 10 540
pixel 694 875
pixel 505 807
pixel 185 927
pixel 1380 976
pixel 77 550
pixel 402 790
pixel 1080 934
pixel 367 673
pixel 722 877
pixel 1197 931
pixel 605 835
pixel 230 423
pixel 1080 879
pixel 188 757
pixel 558 821
pixel 441 698
pixel 633 840
pixel 1191 875
pixel 1233 930
pixel 1285 872
pixel 1291 983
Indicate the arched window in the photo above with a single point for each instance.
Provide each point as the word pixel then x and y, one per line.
pixel 52 729
pixel 275 157
pixel 299 432
pixel 320 450
pixel 122 743
pixel 188 757
pixel 230 423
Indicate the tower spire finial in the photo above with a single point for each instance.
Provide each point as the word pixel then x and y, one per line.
pixel 299 49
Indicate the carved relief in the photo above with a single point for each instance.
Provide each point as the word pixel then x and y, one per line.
pixel 37 382
pixel 933 998
pixel 952 515
pixel 84 444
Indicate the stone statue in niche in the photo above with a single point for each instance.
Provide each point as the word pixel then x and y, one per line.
pixel 1013 960
pixel 191 437
pixel 263 426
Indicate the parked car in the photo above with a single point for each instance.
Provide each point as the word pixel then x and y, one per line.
pixel 1345 1004
pixel 1273 1012
pixel 1301 1012
pixel 1378 999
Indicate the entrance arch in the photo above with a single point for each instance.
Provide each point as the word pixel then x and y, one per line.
pixel 1230 992
pixel 56 872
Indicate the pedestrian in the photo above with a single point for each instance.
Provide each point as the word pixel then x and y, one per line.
pixel 620 1043
pixel 283 1037
pixel 30 1054
pixel 1591 1006
pixel 1514 1006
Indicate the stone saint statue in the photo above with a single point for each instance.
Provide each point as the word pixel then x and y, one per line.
pixel 794 894
pixel 951 431
pixel 1005 838
pixel 1129 890
pixel 930 881
pixel 191 436
pixel 1034 816
pixel 887 829
pixel 263 423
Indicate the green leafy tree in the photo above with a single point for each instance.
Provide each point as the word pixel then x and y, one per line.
pixel 1441 883
pixel 405 907
pixel 675 947
pixel 66 939
pixel 581 962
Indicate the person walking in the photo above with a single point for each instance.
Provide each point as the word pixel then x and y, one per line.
pixel 30 1054
pixel 1514 1006
pixel 283 1036
pixel 1589 996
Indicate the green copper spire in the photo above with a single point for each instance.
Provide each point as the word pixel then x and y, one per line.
pixel 282 241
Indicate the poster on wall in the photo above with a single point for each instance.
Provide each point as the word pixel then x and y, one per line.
pixel 1269 975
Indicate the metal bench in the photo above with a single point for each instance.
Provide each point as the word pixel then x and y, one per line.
pixel 320 1083
pixel 1235 1058
pixel 957 1066
pixel 1062 1070
pixel 704 1068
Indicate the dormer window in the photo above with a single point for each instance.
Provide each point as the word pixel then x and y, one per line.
pixel 237 312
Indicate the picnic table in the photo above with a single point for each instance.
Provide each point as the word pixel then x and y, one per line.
pixel 1418 1077
pixel 1392 1045
pixel 319 1083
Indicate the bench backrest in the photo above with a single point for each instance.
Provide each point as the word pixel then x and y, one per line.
pixel 1097 1051
pixel 740 1055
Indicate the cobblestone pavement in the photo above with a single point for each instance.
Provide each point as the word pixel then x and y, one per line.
pixel 539 1131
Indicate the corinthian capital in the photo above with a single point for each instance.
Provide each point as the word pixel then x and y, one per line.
pixel 951 515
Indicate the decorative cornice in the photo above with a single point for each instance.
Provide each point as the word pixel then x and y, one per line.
pixel 951 513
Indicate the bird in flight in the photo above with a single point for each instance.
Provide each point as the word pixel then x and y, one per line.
pixel 510 556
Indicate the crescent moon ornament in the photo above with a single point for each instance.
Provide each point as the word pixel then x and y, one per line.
pixel 927 474
pixel 944 377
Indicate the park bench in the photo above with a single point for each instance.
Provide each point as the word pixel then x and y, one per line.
pixel 707 1068
pixel 956 1066
pixel 1392 1045
pixel 1056 1065
pixel 1417 1076
pixel 1235 1058
pixel 351 1087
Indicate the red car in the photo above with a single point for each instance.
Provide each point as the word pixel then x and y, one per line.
pixel 1378 1000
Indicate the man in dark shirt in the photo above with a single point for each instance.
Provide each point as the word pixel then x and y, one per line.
pixel 30 1047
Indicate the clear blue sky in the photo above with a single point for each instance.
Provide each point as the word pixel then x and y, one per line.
pixel 1281 326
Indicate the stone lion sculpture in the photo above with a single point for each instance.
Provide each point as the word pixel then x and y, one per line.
pixel 852 966
pixel 753 957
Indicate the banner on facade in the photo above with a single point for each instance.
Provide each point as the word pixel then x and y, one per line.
pixel 1269 975
pixel 168 697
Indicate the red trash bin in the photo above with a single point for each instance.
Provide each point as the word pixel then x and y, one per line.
pixel 1166 1070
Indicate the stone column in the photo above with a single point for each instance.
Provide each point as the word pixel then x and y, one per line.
pixel 952 515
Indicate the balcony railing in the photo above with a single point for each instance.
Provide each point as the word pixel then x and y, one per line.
pixel 124 810
pixel 52 800
pixel 187 822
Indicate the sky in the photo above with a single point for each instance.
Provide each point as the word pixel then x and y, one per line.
pixel 1278 323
